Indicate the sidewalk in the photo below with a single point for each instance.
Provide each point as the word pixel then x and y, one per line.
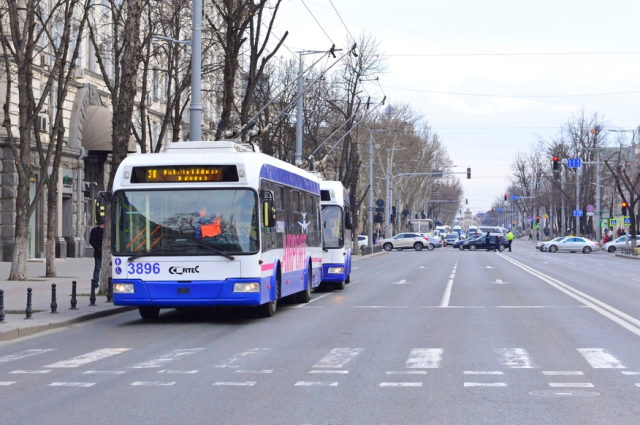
pixel 68 270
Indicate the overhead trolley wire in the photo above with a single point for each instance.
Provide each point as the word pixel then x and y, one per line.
pixel 317 22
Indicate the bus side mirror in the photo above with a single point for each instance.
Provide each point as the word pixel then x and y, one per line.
pixel 268 209
pixel 347 220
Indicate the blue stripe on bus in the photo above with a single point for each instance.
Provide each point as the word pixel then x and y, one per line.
pixel 288 178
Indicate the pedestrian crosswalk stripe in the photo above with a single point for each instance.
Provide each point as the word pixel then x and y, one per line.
pixel 338 357
pixel 152 384
pixel 570 385
pixel 562 372
pixel 625 372
pixel 485 384
pixel 638 384
pixel 31 371
pixel 231 362
pixel 515 358
pixel 103 372
pixel 6 383
pixel 167 358
pixel 186 372
pixel 480 372
pixel 254 371
pixel 24 354
pixel 599 358
pixel 72 384
pixel 234 384
pixel 343 372
pixel 400 384
pixel 424 358
pixel 94 356
pixel 315 384
pixel 408 372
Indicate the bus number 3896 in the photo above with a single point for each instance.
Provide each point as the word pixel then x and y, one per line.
pixel 144 268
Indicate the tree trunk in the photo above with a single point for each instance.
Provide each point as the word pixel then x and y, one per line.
pixel 52 222
pixel 21 235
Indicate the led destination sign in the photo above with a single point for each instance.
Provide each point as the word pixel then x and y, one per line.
pixel 185 174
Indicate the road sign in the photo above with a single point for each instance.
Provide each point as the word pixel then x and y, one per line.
pixel 546 216
pixel 514 198
pixel 379 210
pixel 589 214
pixel 529 218
pixel 405 212
pixel 380 203
pixel 577 213
pixel 574 162
pixel 499 209
pixel 613 222
pixel 590 208
pixel 627 220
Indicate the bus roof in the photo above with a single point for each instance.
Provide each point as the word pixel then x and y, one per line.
pixel 333 192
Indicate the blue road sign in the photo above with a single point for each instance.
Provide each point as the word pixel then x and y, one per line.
pixel 577 213
pixel 514 198
pixel 627 220
pixel 499 209
pixel 574 162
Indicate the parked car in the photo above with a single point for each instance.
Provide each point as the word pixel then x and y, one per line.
pixel 401 241
pixel 619 243
pixel 544 245
pixel 363 242
pixel 574 244
pixel 481 242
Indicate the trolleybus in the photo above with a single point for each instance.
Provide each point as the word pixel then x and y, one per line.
pixel 213 224
pixel 336 234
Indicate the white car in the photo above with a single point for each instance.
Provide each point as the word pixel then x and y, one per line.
pixel 363 242
pixel 544 245
pixel 574 244
pixel 619 243
pixel 407 240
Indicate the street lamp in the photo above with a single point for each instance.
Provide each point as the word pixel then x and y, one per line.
pixel 387 219
pixel 370 207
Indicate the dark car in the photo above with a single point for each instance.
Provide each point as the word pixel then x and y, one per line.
pixel 458 244
pixel 481 243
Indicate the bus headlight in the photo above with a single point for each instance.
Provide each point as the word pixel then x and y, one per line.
pixel 335 270
pixel 246 287
pixel 123 288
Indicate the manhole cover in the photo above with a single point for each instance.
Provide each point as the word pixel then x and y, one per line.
pixel 564 393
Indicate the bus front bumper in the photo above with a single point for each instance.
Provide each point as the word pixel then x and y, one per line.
pixel 334 273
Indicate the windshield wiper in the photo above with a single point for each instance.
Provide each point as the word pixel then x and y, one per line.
pixel 217 251
pixel 158 253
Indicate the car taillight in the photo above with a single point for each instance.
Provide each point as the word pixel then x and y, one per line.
pixel 597 244
pixel 426 239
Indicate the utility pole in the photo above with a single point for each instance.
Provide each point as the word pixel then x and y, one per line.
pixel 298 158
pixel 370 207
pixel 577 232
pixel 195 108
pixel 598 213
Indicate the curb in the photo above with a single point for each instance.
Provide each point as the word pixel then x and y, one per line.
pixel 631 257
pixel 20 332
pixel 364 257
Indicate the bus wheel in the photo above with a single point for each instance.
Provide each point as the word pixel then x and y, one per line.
pixel 269 309
pixel 304 297
pixel 338 285
pixel 149 312
pixel 348 279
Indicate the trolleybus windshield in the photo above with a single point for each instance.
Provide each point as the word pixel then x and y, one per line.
pixel 185 222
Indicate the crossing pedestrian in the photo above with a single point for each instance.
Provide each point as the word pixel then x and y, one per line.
pixel 510 237
pixel 95 240
pixel 487 241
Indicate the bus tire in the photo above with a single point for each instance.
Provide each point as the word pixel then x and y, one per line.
pixel 304 297
pixel 339 286
pixel 149 312
pixel 269 309
pixel 348 279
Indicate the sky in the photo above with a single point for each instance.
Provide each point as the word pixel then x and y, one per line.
pixel 491 77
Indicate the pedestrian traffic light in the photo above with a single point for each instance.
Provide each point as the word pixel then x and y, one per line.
pixel 468 173
pixel 537 219
pixel 624 208
pixel 505 196
pixel 555 163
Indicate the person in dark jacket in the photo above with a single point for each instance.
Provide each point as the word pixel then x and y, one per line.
pixel 95 240
pixel 488 241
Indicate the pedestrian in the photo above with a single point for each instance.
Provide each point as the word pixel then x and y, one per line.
pixel 496 245
pixel 531 235
pixel 620 231
pixel 510 237
pixel 487 242
pixel 95 240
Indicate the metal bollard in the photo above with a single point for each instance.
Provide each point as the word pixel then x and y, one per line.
pixel 74 300
pixel 29 310
pixel 54 304
pixel 92 296
pixel 1 306
pixel 109 290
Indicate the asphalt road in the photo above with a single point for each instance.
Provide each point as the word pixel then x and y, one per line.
pixel 443 337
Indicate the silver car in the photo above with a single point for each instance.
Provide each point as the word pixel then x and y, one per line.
pixel 407 240
pixel 619 243
pixel 574 244
pixel 543 246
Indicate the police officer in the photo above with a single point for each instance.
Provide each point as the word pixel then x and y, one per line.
pixel 510 237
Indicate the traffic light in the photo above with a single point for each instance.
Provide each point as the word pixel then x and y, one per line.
pixel 624 208
pixel 491 209
pixel 537 219
pixel 468 173
pixel 555 163
pixel 505 196
pixel 466 201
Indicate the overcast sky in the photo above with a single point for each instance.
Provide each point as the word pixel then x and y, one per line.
pixel 462 64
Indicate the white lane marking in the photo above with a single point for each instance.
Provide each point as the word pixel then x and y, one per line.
pixel 344 372
pixel 400 384
pixel 570 385
pixel 187 372
pixel 636 280
pixel 613 274
pixel 230 362
pixel 638 384
pixel 562 372
pixel 515 358
pixel 24 354
pixel 482 372
pixel 422 267
pixel 606 310
pixel 94 356
pixel 152 384
pixel 103 372
pixel 167 358
pixel 320 297
pixel 498 281
pixel 447 294
pixel 488 267
pixel 255 371
pixel 338 357
pixel 424 358
pixel 452 275
pixel 72 384
pixel 598 270
pixel 6 383
pixel 625 372
pixel 407 372
pixel 234 384
pixel 485 384
pixel 599 358
pixel 544 262
pixel 315 384
pixel 401 282
pixel 31 371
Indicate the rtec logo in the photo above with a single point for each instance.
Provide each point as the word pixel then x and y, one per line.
pixel 183 270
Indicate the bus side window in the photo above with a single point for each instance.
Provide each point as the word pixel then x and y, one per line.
pixel 268 209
